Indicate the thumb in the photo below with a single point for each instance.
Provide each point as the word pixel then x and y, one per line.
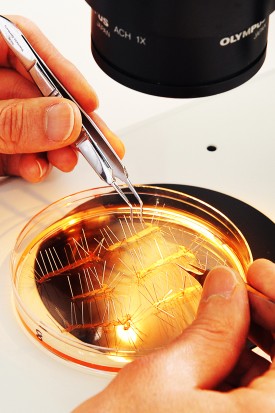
pixel 37 124
pixel 211 346
pixel 201 357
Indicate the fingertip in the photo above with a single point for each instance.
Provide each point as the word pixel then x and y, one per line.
pixel 259 266
pixel 224 300
pixel 224 308
pixel 92 102
pixel 113 139
pixel 261 275
pixel 65 159
pixel 34 168
pixel 221 281
pixel 116 143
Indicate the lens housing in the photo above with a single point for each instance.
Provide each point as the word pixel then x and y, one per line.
pixel 181 48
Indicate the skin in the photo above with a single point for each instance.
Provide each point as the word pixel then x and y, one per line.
pixel 30 144
pixel 208 368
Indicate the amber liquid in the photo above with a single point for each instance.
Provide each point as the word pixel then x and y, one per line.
pixel 122 284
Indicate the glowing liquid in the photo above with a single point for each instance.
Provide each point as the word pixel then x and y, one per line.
pixel 117 284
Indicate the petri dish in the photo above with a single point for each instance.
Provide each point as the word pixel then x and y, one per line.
pixel 99 286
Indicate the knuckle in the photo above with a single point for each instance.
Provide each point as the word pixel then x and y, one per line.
pixel 214 333
pixel 12 126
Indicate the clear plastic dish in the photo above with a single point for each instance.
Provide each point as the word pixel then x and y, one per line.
pixel 99 289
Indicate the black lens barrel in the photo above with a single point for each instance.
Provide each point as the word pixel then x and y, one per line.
pixel 179 48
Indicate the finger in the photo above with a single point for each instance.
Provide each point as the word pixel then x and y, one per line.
pixel 113 139
pixel 250 366
pixel 261 275
pixel 37 125
pixel 259 395
pixel 213 343
pixel 64 70
pixel 201 357
pixel 13 85
pixel 36 167
pixel 31 167
pixel 64 159
pixel 16 85
pixel 206 351
pixel 262 312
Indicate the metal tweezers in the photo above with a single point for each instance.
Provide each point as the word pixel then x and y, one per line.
pixel 91 143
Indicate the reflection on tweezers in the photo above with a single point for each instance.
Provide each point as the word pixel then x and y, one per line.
pixel 200 275
pixel 91 143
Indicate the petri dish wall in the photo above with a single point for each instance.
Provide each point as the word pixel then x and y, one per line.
pixel 99 286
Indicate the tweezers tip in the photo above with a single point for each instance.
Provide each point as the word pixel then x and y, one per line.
pixel 119 190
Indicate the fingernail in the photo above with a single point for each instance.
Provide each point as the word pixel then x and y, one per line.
pixel 59 121
pixel 221 282
pixel 42 169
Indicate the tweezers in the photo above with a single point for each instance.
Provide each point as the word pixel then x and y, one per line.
pixel 91 143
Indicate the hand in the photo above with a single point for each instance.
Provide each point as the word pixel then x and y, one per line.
pixel 261 275
pixel 36 132
pixel 208 368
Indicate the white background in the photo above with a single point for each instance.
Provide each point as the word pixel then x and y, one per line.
pixel 166 141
